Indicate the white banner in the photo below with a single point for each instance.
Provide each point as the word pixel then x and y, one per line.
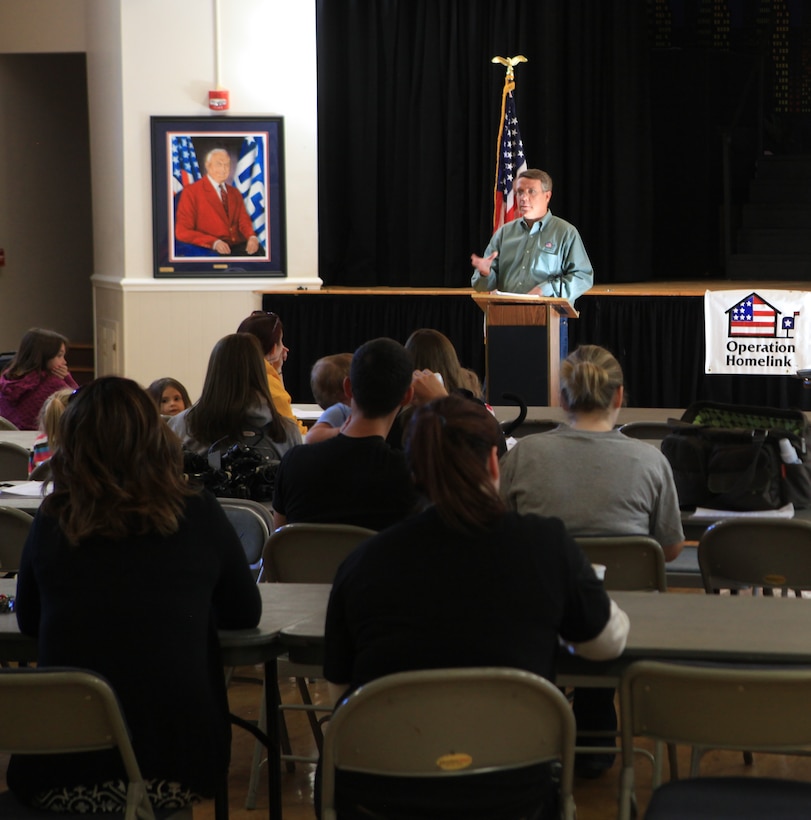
pixel 761 333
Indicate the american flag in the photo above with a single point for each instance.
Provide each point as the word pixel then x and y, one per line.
pixel 510 160
pixel 752 317
pixel 250 182
pixel 185 168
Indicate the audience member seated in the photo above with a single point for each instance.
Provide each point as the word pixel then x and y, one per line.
pixel 37 370
pixel 434 351
pixel 466 582
pixel 267 327
pixel 235 405
pixel 129 572
pixel 45 443
pixel 472 382
pixel 599 482
pixel 327 383
pixel 355 477
pixel 170 396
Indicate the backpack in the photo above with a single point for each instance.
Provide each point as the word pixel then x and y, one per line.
pixel 729 457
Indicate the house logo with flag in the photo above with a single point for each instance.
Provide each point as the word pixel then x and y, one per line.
pixel 757 333
pixel 753 316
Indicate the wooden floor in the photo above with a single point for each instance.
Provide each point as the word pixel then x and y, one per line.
pixel 596 799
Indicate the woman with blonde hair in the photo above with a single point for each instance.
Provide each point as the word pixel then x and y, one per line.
pixel 130 572
pixel 599 482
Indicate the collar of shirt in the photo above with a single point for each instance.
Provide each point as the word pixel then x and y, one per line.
pixel 536 226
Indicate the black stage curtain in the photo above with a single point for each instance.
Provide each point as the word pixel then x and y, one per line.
pixel 660 344
pixel 319 324
pixel 658 341
pixel 408 109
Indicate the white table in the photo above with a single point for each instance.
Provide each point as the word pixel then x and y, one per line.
pixel 25 438
pixel 668 626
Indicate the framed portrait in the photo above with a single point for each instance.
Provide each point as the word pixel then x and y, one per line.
pixel 218 196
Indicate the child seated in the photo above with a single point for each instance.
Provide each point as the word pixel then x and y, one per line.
pixel 170 396
pixel 49 416
pixel 327 383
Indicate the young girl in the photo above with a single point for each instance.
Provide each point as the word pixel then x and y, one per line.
pixel 37 370
pixel 170 396
pixel 235 405
pixel 49 416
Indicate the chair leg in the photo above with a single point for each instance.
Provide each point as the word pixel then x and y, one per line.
pixel 258 751
pixel 673 761
pixel 284 741
pixel 315 726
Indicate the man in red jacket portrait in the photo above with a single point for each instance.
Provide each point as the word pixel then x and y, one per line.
pixel 211 214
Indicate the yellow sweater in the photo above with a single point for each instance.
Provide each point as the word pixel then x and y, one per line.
pixel 281 398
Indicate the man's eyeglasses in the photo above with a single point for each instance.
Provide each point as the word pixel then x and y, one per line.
pixel 530 192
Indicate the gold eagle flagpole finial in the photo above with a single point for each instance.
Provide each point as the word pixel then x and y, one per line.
pixel 510 63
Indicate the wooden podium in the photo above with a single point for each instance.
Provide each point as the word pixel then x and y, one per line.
pixel 522 346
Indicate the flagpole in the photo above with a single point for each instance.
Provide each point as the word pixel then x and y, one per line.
pixel 509 85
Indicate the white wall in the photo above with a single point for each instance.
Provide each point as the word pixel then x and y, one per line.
pixel 267 61
pixel 44 194
pixel 157 57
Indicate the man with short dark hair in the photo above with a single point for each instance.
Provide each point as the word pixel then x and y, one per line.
pixel 356 477
pixel 538 253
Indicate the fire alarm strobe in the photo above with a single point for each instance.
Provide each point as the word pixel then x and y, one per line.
pixel 218 100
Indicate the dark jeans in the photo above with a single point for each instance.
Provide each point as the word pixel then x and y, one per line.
pixel 594 709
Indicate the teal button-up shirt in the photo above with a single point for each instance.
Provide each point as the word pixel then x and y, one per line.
pixel 550 254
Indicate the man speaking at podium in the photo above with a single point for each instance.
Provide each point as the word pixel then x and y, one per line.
pixel 538 253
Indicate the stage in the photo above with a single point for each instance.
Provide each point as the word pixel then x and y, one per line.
pixel 656 330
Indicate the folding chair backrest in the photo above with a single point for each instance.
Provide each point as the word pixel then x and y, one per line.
pixel 253 523
pixel 747 709
pixel 632 562
pixel 309 553
pixel 449 723
pixel 46 711
pixel 5 424
pixel 13 462
pixel 14 527
pixel 709 707
pixel 769 553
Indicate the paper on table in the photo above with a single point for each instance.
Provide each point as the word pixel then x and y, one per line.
pixel 307 413
pixel 28 489
pixel 532 297
pixel 786 511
